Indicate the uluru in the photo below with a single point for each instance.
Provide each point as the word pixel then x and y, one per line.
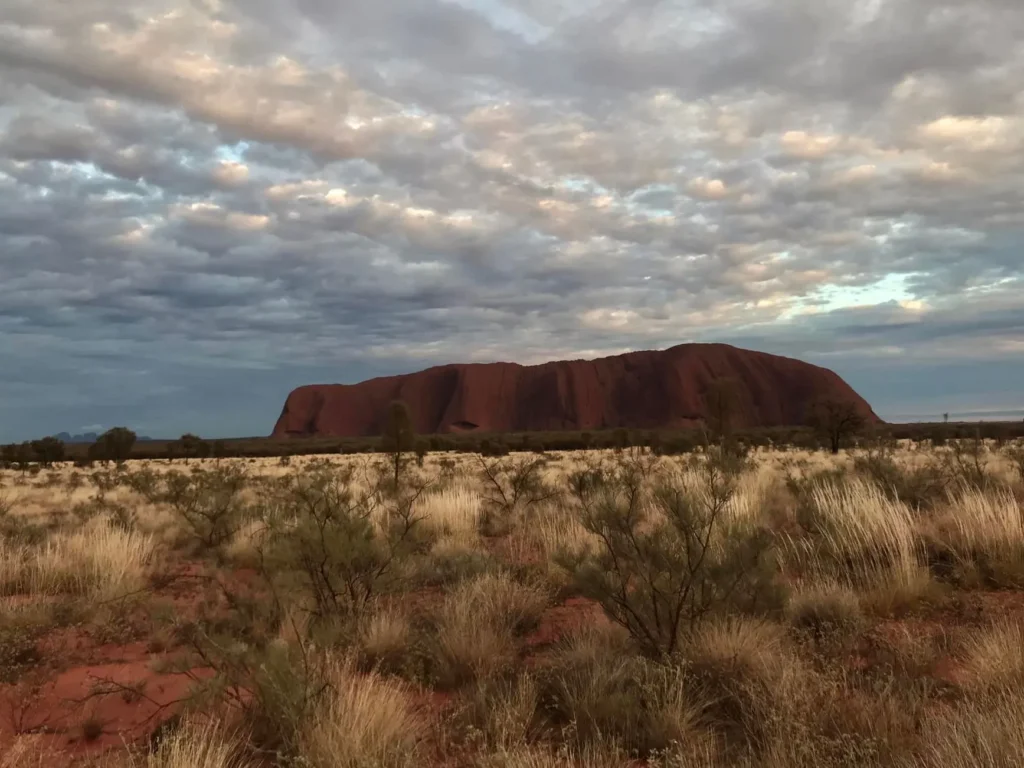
pixel 646 390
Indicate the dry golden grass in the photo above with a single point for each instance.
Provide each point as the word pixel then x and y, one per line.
pixel 33 751
pixel 830 615
pixel 452 512
pixel 243 546
pixel 995 657
pixel 556 529
pixel 861 538
pixel 196 744
pixel 594 756
pixel 986 733
pixel 986 527
pixel 478 624
pixel 98 562
pixel 503 712
pixel 368 720
pixel 385 636
pixel 741 691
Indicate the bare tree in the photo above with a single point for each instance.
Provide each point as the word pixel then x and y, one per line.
pixel 399 438
pixel 722 402
pixel 835 419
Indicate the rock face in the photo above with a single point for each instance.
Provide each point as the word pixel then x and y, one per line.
pixel 643 390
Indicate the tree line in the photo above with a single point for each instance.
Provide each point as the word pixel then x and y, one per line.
pixel 829 423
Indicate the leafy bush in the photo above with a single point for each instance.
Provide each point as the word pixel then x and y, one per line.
pixel 670 555
pixel 339 547
pixel 209 502
pixel 252 659
pixel 510 488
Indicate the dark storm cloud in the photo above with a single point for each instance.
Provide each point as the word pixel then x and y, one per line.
pixel 206 202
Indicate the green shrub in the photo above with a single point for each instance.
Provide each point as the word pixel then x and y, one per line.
pixel 670 555
pixel 209 503
pixel 511 487
pixel 339 548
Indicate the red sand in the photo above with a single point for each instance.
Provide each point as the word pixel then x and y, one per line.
pixel 638 390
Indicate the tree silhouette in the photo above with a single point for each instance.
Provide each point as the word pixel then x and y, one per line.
pixel 48 450
pixel 113 445
pixel 722 402
pixel 835 419
pixel 193 446
pixel 399 437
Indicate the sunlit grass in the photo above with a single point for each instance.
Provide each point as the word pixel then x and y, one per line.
pixel 367 720
pixel 98 561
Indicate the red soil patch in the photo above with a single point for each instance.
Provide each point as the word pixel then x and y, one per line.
pixel 644 390
pixel 559 621
pixel 126 700
pixel 1001 606
pixel 113 686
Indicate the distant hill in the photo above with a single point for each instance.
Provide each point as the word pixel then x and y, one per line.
pixel 665 389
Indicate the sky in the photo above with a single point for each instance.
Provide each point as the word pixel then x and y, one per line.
pixel 205 203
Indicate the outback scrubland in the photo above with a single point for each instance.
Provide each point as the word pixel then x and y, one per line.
pixel 601 608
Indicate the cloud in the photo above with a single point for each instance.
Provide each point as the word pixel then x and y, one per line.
pixel 204 203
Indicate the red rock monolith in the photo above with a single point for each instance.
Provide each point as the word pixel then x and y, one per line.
pixel 644 390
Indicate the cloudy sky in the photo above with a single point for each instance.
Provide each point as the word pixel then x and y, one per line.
pixel 204 203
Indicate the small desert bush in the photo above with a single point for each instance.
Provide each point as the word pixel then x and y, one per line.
pixel 501 713
pixel 364 720
pixel 918 485
pixel 511 488
pixel 21 626
pixel 273 687
pixel 208 503
pixel 672 554
pixel 337 547
pixel 828 616
pixel 385 638
pixel 477 625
